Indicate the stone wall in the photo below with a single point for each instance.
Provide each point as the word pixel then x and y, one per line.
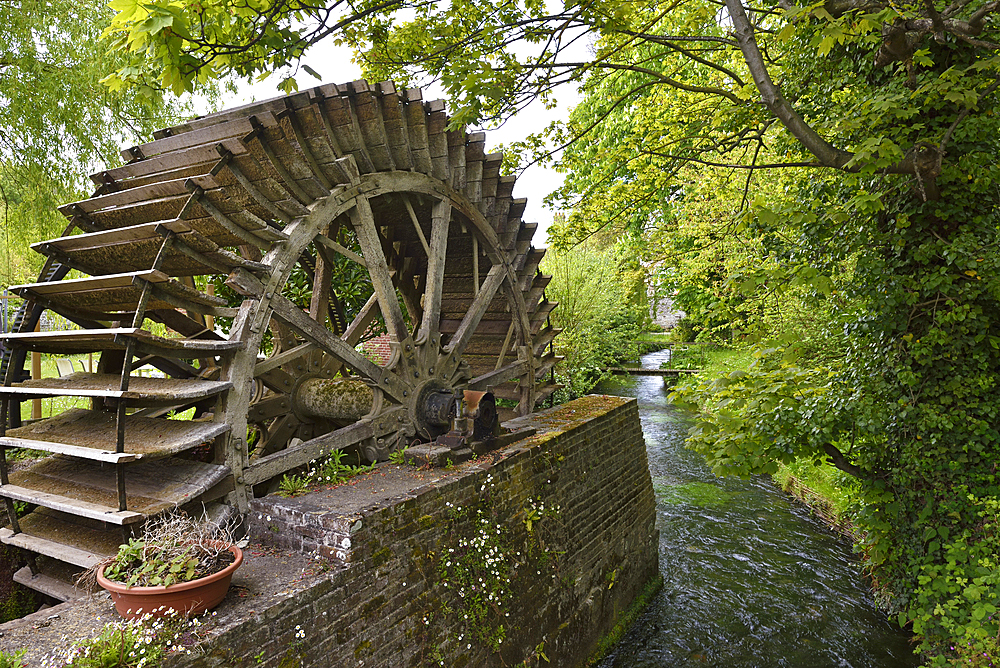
pixel 538 550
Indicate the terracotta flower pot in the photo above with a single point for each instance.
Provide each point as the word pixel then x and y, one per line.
pixel 186 598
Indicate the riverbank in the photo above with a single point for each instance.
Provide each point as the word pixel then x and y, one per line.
pixel 826 491
pixel 751 578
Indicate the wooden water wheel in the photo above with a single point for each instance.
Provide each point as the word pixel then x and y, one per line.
pixel 274 198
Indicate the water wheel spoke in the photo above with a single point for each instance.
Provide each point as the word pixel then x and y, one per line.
pixel 435 271
pixel 279 433
pixel 364 225
pixel 312 331
pixel 322 277
pixel 365 317
pixel 276 380
pixel 327 242
pixel 282 358
pixel 269 408
pixel 476 311
pixel 416 226
pixel 499 376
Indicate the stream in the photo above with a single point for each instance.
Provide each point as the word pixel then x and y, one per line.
pixel 751 578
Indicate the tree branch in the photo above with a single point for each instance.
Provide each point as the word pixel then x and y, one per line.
pixel 772 97
pixel 838 459
pixel 728 165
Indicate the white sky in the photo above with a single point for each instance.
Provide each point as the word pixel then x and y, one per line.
pixel 335 66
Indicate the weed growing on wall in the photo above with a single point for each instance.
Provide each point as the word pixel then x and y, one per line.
pixel 541 520
pixel 478 569
pixel 138 643
pixel 484 557
pixel 296 651
pixel 332 470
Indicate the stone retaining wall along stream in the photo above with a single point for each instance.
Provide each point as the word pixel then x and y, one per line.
pixel 539 550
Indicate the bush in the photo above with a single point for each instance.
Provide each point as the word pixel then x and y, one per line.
pixel 599 313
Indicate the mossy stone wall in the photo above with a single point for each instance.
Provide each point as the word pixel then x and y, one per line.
pixel 539 552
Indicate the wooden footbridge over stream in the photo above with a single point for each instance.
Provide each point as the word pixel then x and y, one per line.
pixel 684 351
pixel 637 371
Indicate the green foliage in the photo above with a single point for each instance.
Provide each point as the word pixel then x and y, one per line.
pixel 479 569
pixel 535 510
pixel 11 659
pixel 133 568
pixel 138 643
pixel 292 485
pixel 955 604
pixel 175 548
pixel 57 121
pixel 598 319
pixel 836 490
pixel 331 470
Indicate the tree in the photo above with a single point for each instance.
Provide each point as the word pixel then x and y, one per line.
pixel 889 112
pixel 599 322
pixel 57 120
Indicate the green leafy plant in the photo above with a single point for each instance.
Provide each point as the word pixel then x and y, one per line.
pixel 175 548
pixel 12 659
pixel 293 485
pixel 479 569
pixel 398 456
pixel 332 470
pixel 137 643
pixel 535 510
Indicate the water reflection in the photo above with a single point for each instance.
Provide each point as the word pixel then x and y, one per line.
pixel 750 579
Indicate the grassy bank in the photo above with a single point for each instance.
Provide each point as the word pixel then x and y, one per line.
pixel 826 490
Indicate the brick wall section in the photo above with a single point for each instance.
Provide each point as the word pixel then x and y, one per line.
pixel 379 349
pixel 385 604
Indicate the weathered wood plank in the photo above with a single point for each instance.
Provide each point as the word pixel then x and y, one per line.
pixel 346 252
pixel 416 124
pixel 437 140
pixel 440 222
pixel 371 248
pixel 122 198
pixel 68 286
pixel 71 450
pixel 153 486
pixel 115 338
pixel 498 376
pixel 344 122
pixel 214 133
pixel 61 590
pixel 396 131
pixel 50 548
pixel 280 462
pixel 72 506
pixel 158 166
pixel 141 390
pixel 456 158
pixel 90 433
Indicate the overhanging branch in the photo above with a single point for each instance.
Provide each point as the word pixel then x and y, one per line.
pixel 838 459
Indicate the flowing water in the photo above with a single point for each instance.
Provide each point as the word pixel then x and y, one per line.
pixel 751 579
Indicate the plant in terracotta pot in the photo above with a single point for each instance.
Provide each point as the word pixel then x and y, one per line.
pixel 180 565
